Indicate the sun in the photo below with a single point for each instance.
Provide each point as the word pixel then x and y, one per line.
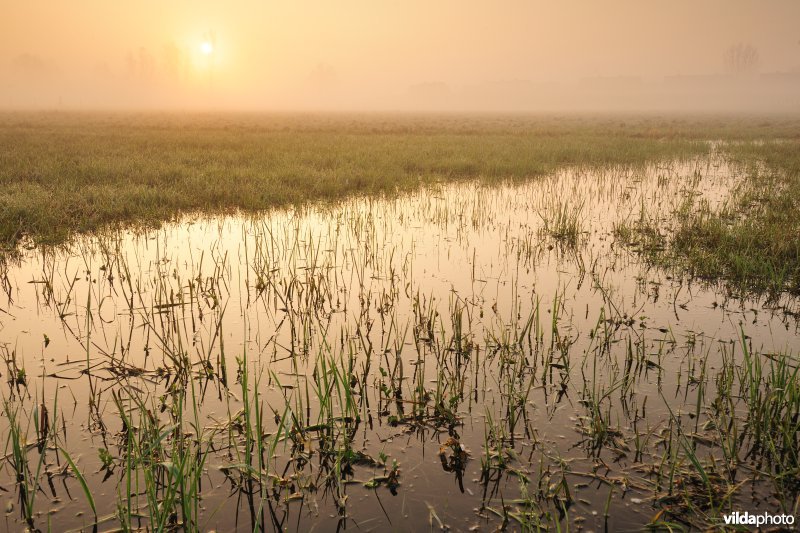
pixel 207 48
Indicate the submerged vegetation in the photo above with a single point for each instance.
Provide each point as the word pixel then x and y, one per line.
pixel 751 239
pixel 492 353
pixel 754 239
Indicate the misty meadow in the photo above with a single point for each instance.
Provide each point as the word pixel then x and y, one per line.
pixel 399 266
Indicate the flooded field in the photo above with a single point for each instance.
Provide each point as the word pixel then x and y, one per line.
pixel 463 357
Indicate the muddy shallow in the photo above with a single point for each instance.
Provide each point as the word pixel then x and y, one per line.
pixel 419 362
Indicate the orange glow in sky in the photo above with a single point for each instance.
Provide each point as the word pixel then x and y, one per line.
pixel 361 54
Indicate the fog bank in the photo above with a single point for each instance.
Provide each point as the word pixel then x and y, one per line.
pixel 512 55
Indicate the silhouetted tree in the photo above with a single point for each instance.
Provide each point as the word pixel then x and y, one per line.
pixel 741 59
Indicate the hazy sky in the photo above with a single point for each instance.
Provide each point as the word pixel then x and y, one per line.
pixel 366 54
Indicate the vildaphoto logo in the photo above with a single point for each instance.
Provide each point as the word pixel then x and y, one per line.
pixel 763 519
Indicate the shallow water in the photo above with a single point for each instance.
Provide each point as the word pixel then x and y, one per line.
pixel 462 317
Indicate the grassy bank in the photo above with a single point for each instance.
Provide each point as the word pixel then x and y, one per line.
pixel 63 173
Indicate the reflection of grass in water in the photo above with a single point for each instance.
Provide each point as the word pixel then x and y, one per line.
pixel 164 458
pixel 753 425
pixel 295 432
pixel 28 477
pixel 563 220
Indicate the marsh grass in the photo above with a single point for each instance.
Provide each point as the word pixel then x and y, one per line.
pixel 564 221
pixel 752 241
pixel 63 173
pixel 286 367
